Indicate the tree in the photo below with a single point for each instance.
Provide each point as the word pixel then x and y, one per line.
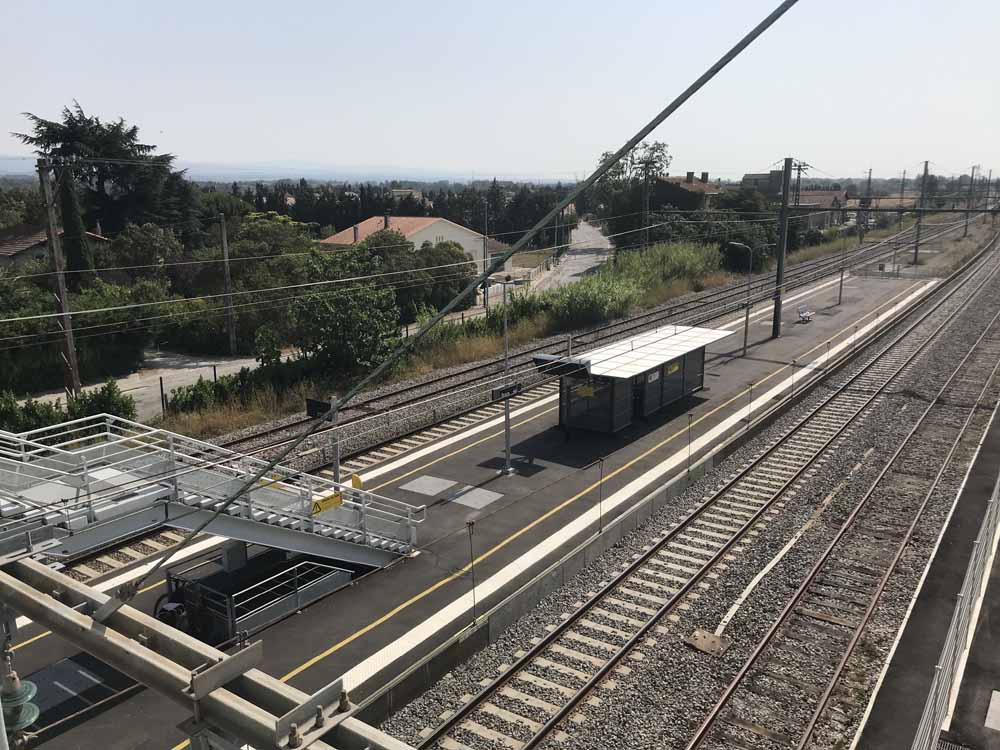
pixel 76 249
pixel 124 179
pixel 351 330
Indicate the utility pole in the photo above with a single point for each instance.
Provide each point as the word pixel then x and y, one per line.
pixel 799 168
pixel 230 316
pixel 968 203
pixel 645 203
pixel 779 282
pixel 920 215
pixel 486 253
pixel 71 369
pixel 863 230
pixel 902 197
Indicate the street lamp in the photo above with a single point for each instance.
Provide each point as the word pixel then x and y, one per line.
pixel 746 317
pixel 508 468
pixel 471 526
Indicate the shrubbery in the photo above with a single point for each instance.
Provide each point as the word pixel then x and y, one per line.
pixel 32 414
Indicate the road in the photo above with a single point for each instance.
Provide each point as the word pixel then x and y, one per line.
pixel 175 369
pixel 590 249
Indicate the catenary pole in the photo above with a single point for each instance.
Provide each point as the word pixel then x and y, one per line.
pixel 968 203
pixel 497 263
pixel 920 215
pixel 779 282
pixel 230 315
pixel 902 197
pixel 70 366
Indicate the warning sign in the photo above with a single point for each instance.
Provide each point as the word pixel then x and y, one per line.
pixel 334 499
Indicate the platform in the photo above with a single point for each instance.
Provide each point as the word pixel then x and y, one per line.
pixel 522 523
pixel 895 714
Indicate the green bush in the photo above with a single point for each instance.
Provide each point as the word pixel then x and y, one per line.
pixel 32 414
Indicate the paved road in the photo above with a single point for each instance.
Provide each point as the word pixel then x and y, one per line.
pixel 593 248
pixel 175 369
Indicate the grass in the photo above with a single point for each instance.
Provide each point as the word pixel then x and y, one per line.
pixel 265 405
pixel 531 258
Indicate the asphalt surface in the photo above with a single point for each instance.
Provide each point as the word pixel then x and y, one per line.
pixel 593 249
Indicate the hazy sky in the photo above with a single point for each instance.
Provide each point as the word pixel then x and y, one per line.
pixel 517 88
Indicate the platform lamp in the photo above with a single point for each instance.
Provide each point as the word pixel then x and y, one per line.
pixel 471 526
pixel 508 468
pixel 746 316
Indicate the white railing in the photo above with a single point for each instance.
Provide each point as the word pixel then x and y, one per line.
pixel 960 630
pixel 140 456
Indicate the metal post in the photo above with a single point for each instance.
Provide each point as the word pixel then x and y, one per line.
pixel 746 316
pixel 902 197
pixel 749 403
pixel 689 444
pixel 230 317
pixel 215 374
pixel 600 498
pixel 163 398
pixel 793 376
pixel 920 216
pixel 471 526
pixel 72 370
pixel 336 441
pixel 968 203
pixel 779 282
pixel 507 466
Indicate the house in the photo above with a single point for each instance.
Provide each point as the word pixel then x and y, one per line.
pixel 768 183
pixel 686 192
pixel 420 229
pixel 823 208
pixel 26 243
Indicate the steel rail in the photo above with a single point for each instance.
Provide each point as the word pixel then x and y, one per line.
pixel 731 299
pixel 796 599
pixel 553 721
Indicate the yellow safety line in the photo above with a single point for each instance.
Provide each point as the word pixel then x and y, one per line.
pixel 503 543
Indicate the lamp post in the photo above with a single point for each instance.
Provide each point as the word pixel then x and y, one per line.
pixel 508 468
pixel 746 316
pixel 471 526
pixel 600 498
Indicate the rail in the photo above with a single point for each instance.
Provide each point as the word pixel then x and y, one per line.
pixel 957 640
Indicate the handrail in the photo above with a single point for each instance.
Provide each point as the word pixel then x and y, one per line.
pixel 938 702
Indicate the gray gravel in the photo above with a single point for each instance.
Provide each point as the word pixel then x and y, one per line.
pixel 668 692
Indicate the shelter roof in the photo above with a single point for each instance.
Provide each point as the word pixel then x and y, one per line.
pixel 636 355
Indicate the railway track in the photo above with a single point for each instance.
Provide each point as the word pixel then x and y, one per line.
pixel 135 550
pixel 795 675
pixel 705 308
pixel 529 703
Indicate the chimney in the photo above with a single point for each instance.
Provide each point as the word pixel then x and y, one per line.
pixel 690 177
pixel 385 221
pixel 704 176
pixel 355 234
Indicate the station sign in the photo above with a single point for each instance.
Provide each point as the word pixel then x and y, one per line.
pixel 316 408
pixel 507 391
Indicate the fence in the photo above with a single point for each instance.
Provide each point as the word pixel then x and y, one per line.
pixel 959 631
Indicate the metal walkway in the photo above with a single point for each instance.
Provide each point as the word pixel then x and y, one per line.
pixel 79 486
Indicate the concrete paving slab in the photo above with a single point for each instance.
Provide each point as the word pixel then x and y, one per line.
pixel 428 485
pixel 477 498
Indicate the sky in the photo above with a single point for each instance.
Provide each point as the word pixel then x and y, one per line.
pixel 515 89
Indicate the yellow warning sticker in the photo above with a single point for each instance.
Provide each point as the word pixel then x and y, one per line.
pixel 325 503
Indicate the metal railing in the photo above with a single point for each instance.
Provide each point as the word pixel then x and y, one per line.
pixel 960 630
pixel 110 459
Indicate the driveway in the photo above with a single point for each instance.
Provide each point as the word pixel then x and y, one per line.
pixel 590 249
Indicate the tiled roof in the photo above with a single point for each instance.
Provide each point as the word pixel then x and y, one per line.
pixel 822 198
pixel 405 225
pixel 709 188
pixel 21 242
